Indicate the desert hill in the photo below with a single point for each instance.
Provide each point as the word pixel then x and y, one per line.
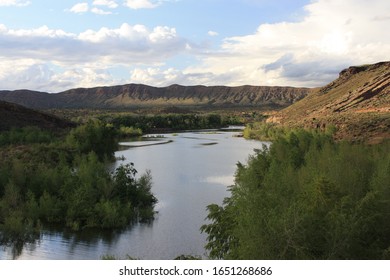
pixel 13 115
pixel 357 104
pixel 137 95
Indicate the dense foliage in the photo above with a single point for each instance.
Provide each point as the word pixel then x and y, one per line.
pixel 306 197
pixel 26 135
pixel 148 123
pixel 67 182
pixel 93 136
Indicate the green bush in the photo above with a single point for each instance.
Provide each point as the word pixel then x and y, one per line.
pixel 79 196
pixel 94 136
pixel 125 131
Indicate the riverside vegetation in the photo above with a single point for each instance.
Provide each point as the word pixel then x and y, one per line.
pixel 49 179
pixel 305 197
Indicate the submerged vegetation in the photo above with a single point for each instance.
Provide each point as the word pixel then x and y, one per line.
pixel 305 197
pixel 65 180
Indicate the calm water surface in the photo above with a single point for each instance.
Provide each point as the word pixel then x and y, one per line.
pixel 190 171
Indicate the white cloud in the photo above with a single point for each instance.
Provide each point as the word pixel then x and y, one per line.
pixel 141 4
pixel 137 34
pixel 17 3
pixel 332 35
pixel 43 32
pixel 162 33
pixel 84 7
pixel 80 8
pixel 212 33
pixel 107 3
pixel 311 52
pixel 100 11
pixel 26 73
pixel 46 59
pixel 159 76
pixel 87 77
pixel 44 76
pixel 128 43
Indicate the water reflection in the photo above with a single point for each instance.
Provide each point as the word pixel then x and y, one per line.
pixel 63 242
pixel 16 242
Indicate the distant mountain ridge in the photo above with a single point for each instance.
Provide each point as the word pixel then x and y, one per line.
pixel 138 95
pixel 357 104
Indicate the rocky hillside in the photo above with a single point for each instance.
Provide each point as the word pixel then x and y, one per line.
pixel 136 95
pixel 357 104
pixel 13 115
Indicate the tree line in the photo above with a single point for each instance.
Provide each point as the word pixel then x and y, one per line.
pixel 172 122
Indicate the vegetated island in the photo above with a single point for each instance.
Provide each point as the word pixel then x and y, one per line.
pixel 49 178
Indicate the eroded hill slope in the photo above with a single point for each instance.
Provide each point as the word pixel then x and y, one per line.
pixel 357 104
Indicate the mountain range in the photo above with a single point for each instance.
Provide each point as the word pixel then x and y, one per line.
pixel 138 95
pixel 356 104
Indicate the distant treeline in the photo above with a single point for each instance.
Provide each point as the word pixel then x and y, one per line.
pixel 173 122
pixel 306 197
pixel 65 180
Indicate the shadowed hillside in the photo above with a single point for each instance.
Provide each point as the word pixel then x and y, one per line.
pixel 357 104
pixel 16 116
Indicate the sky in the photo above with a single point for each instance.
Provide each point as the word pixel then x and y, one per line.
pixel 53 46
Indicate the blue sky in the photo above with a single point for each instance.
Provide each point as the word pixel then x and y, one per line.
pixel 57 45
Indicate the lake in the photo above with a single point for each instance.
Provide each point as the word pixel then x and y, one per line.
pixel 190 170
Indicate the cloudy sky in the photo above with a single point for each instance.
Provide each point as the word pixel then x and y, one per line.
pixel 56 45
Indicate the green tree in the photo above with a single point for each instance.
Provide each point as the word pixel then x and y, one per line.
pixel 94 136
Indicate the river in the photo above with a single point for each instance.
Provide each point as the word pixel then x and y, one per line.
pixel 190 170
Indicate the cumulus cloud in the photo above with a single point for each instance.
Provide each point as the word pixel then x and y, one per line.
pixel 106 3
pixel 111 4
pixel 17 3
pixel 141 4
pixel 43 49
pixel 128 43
pixel 137 42
pixel 26 73
pixel 162 76
pixel 311 51
pixel 331 36
pixel 80 8
pixel 212 33
pixel 84 7
pixel 100 11
pixel 37 75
